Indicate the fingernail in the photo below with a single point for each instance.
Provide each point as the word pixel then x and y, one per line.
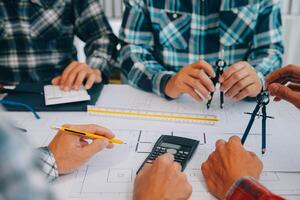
pixel 209 97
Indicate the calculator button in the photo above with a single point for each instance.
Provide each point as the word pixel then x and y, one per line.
pixel 172 151
pixel 186 153
pixel 149 161
pixel 181 152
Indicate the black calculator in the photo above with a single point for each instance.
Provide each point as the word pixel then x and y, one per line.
pixel 182 149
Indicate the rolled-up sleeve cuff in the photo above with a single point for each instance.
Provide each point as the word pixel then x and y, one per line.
pixel 262 80
pixel 48 163
pixel 160 81
pixel 249 188
pixel 102 64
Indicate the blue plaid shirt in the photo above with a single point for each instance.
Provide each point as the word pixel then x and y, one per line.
pixel 161 37
pixel 36 38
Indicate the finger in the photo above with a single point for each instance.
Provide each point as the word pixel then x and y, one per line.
pixel 56 80
pixel 67 71
pixel 164 161
pixel 240 86
pixel 92 128
pixel 212 158
pixel 235 140
pixel 284 80
pixel 90 81
pixel 289 71
pixel 231 70
pixel 98 75
pixel 205 169
pixel 190 91
pixel 294 87
pixel 234 79
pixel 110 146
pixel 285 93
pixel 244 93
pixel 79 80
pixel 83 143
pixel 208 69
pixel 196 85
pixel 277 99
pixel 73 75
pixel 206 81
pixel 252 154
pixel 203 78
pixel 177 166
pixel 95 147
pixel 220 143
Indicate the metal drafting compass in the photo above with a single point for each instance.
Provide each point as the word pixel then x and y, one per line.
pixel 263 99
pixel 220 65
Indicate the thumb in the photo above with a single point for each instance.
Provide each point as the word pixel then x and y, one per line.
pixel 95 147
pixel 285 93
pixel 56 80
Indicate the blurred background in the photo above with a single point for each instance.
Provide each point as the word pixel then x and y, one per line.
pixel 291 24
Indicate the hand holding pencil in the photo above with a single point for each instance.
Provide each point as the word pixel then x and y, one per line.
pixel 72 151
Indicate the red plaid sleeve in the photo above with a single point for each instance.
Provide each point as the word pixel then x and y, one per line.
pixel 249 189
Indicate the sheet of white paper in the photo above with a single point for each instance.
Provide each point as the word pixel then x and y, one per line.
pixel 110 174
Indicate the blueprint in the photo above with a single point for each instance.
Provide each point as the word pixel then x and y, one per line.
pixel 111 173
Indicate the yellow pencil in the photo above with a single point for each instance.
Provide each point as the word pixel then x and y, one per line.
pixel 87 134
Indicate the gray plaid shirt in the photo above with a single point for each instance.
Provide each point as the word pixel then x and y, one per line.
pixel 36 38
pixel 20 169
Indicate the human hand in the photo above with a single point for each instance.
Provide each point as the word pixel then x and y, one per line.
pixel 192 79
pixel 285 84
pixel 75 75
pixel 162 180
pixel 71 152
pixel 240 81
pixel 227 164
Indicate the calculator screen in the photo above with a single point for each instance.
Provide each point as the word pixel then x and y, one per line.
pixel 172 146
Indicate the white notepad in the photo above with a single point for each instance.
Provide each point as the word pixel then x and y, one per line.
pixel 54 95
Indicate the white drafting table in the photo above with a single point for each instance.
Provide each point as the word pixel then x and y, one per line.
pixel 110 174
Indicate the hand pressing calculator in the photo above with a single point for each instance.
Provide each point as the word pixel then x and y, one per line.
pixel 182 149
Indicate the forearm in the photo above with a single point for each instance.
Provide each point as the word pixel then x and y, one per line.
pixel 101 54
pixel 143 71
pixel 92 27
pixel 266 50
pixel 48 163
pixel 267 59
pixel 248 189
